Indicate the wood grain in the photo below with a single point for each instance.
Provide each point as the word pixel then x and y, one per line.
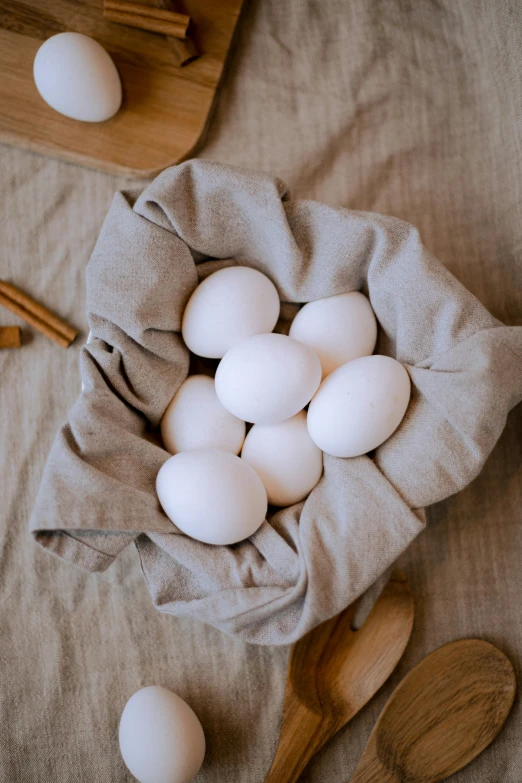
pixel 145 17
pixel 10 337
pixel 36 315
pixel 165 110
pixel 183 51
pixel 443 714
pixel 334 671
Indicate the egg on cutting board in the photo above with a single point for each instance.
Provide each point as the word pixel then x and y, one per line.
pixel 161 738
pixel 195 419
pixel 359 405
pixel 285 458
pixel 227 307
pixel 267 378
pixel 77 78
pixel 339 329
pixel 212 495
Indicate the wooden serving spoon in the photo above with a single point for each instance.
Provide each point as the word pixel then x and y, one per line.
pixel 444 713
pixel 334 671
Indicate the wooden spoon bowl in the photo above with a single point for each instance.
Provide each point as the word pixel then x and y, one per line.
pixel 443 714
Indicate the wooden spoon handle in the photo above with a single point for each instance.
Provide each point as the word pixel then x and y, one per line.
pixel 304 728
pixel 370 769
pixel 373 774
pixel 297 745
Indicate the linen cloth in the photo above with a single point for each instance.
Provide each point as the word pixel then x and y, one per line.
pixel 411 110
pixel 309 561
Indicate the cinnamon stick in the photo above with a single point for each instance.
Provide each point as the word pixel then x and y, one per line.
pixel 10 337
pixel 154 20
pixel 183 50
pixel 36 315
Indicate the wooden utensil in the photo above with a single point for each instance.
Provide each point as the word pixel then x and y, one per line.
pixel 334 671
pixel 444 713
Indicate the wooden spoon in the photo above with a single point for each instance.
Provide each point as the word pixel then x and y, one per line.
pixel 334 670
pixel 444 713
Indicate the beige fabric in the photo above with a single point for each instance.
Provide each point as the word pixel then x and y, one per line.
pixel 306 563
pixel 407 109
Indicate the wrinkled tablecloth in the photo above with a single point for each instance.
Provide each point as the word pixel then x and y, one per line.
pixel 412 110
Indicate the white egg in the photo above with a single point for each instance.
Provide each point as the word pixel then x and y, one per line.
pixel 267 378
pixel 195 419
pixel 212 496
pixel 285 458
pixel 338 329
pixel 359 406
pixel 77 78
pixel 161 738
pixel 226 308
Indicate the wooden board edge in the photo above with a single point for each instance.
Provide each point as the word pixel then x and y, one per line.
pixel 108 167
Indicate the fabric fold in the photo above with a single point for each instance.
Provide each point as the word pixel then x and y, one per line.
pixel 307 562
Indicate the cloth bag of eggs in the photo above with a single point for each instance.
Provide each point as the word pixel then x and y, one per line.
pixel 273 391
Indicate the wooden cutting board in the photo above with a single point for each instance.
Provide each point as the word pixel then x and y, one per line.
pixel 165 109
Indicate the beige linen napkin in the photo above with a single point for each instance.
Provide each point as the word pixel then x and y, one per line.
pixel 307 562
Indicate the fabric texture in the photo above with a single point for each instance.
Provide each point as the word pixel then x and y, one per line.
pixel 309 561
pixel 406 109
